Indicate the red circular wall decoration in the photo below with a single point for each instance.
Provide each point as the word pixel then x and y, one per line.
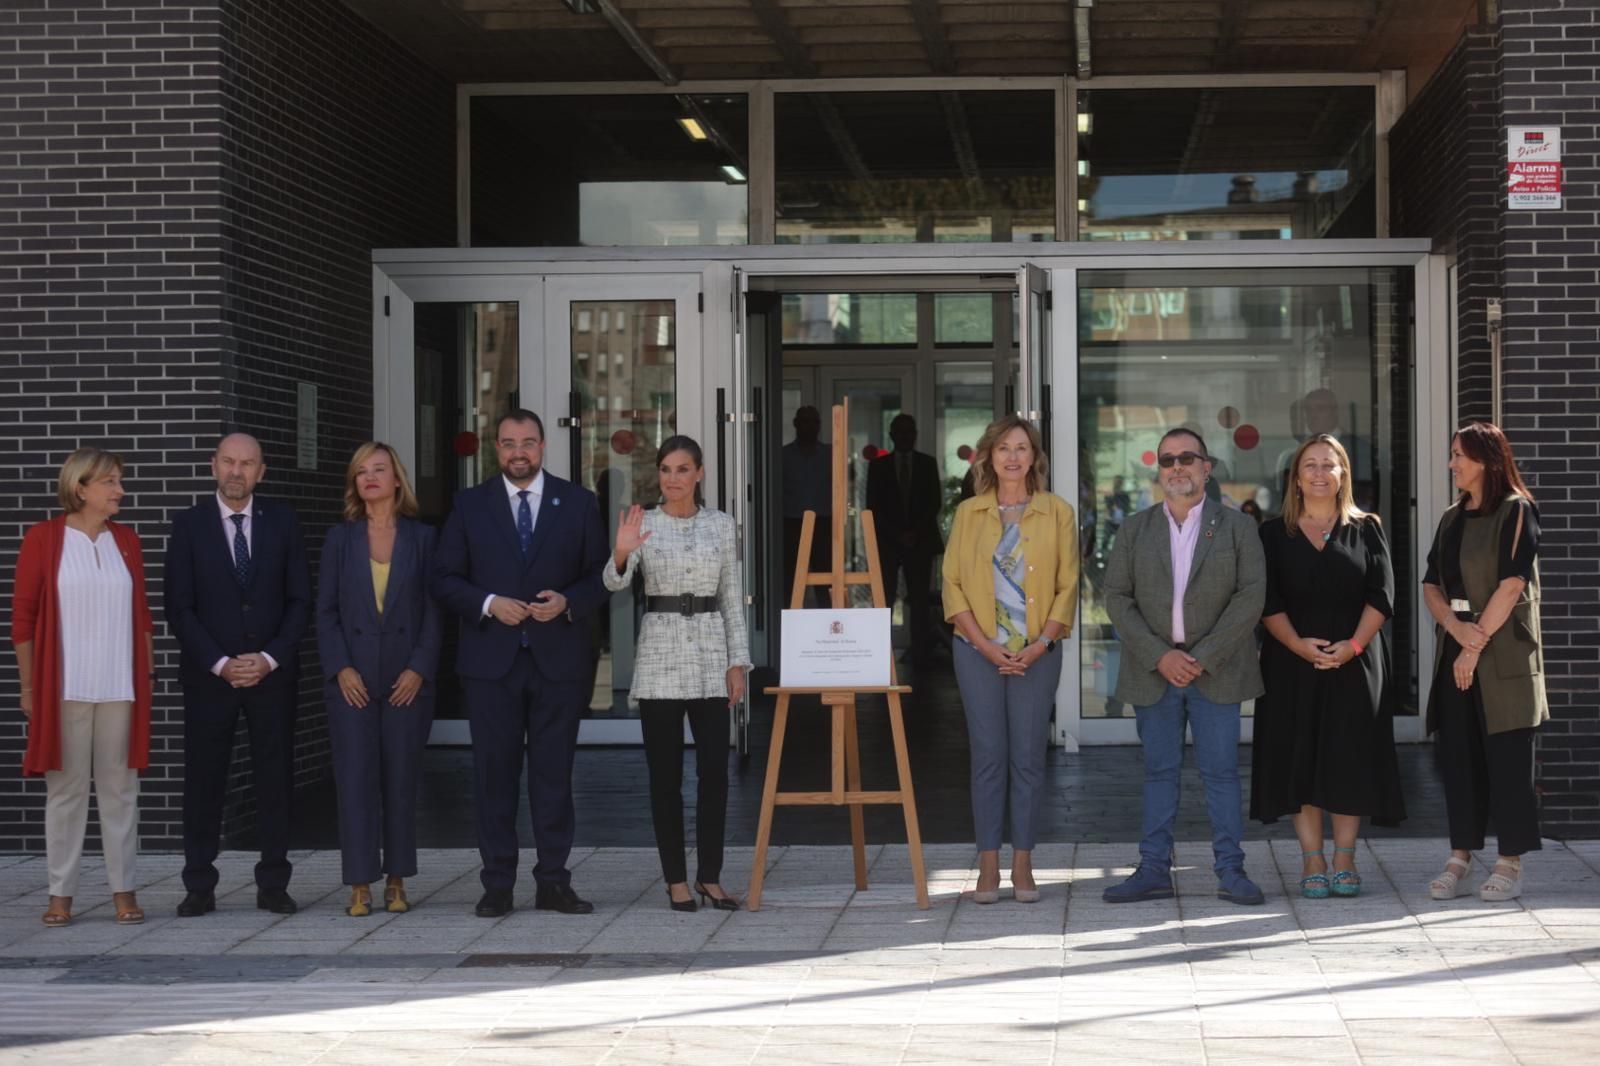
pixel 871 452
pixel 1228 417
pixel 622 441
pixel 964 453
pixel 1246 437
pixel 1148 458
pixel 465 444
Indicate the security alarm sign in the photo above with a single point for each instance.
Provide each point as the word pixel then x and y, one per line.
pixel 1533 168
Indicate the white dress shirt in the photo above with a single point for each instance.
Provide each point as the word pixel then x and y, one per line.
pixel 96 593
pixel 249 512
pixel 535 492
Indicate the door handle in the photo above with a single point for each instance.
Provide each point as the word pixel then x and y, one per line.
pixel 722 450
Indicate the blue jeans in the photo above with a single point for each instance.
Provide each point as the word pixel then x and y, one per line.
pixel 1216 752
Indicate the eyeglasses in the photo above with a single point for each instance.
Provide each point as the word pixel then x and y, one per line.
pixel 1182 458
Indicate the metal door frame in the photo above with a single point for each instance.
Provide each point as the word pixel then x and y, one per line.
pixel 467 274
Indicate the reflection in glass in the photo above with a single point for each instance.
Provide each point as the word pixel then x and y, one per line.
pixel 609 170
pixel 1256 362
pixel 873 405
pixel 1227 164
pixel 466 378
pixel 896 167
pixel 963 408
pixel 855 319
pixel 627 405
pixel 963 318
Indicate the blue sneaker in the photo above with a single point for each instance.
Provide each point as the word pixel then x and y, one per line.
pixel 1235 887
pixel 1147 882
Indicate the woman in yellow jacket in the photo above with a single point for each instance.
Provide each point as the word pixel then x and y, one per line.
pixel 1011 589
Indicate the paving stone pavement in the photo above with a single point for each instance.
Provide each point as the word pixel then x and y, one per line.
pixel 822 973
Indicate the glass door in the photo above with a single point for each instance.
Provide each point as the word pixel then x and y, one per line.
pixel 612 346
pixel 453 357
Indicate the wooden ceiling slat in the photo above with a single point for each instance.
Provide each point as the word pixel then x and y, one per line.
pixel 834 53
pixel 656 20
pixel 633 7
pixel 1135 31
pixel 687 56
pixel 893 68
pixel 1011 49
pixel 801 17
pixel 538 20
pixel 1059 32
pixel 697 35
pixel 1159 12
pixel 1027 16
pixel 814 35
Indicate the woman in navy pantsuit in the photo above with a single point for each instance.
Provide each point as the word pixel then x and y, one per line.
pixel 378 631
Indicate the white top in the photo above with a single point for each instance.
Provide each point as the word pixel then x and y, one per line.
pixel 686 657
pixel 535 492
pixel 96 593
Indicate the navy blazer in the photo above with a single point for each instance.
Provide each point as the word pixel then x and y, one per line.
pixel 479 555
pixel 349 629
pixel 212 615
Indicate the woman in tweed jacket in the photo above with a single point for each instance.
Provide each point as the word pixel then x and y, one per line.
pixel 693 652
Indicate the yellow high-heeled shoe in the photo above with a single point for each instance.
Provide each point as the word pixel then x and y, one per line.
pixel 360 901
pixel 394 898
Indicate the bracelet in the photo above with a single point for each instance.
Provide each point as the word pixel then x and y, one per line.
pixel 1359 649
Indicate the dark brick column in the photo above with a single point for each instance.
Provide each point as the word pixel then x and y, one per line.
pixel 1550 75
pixel 189 194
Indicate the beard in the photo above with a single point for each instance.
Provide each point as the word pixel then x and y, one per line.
pixel 234 489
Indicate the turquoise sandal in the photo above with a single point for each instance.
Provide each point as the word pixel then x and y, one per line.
pixel 1315 886
pixel 1346 883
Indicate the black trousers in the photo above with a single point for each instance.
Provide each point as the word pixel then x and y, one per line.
pixel 211 709
pixel 1488 777
pixel 524 718
pixel 662 725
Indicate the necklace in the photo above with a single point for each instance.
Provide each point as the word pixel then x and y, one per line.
pixel 1015 506
pixel 1325 530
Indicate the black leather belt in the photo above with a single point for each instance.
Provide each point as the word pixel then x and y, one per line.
pixel 684 605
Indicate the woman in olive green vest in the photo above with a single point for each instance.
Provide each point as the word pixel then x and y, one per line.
pixel 1482 588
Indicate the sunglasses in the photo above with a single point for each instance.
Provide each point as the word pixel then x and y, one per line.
pixel 1184 458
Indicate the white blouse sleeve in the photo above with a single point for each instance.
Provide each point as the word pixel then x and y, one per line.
pixel 617 582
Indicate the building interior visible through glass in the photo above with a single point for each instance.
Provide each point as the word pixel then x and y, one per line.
pixel 898 167
pixel 609 170
pixel 1256 364
pixel 1216 164
pixel 624 372
pixel 466 375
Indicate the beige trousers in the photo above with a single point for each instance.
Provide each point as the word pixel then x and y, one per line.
pixel 93 736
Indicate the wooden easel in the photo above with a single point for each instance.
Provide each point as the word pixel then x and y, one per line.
pixel 846 790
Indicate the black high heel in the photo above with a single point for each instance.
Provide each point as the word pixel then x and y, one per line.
pixel 722 903
pixel 683 906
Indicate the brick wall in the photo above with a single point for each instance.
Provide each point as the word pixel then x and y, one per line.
pixel 189 193
pixel 1445 178
pixel 1550 75
pixel 334 142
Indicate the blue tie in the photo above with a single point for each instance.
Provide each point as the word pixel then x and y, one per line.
pixel 241 549
pixel 525 538
pixel 524 524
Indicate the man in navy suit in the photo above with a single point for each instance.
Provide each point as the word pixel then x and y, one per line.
pixel 237 596
pixel 519 563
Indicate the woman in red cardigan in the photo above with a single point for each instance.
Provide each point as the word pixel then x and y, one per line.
pixel 84 639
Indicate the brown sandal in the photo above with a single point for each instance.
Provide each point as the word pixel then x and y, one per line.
pixel 394 898
pixel 128 910
pixel 59 913
pixel 360 901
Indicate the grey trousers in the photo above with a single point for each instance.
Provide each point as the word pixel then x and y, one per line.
pixel 1008 719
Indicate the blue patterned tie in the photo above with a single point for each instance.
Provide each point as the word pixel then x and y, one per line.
pixel 524 524
pixel 241 549
pixel 525 538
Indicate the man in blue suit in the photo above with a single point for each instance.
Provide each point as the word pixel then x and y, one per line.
pixel 237 596
pixel 519 563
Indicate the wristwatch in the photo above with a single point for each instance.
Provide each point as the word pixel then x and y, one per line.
pixel 1049 645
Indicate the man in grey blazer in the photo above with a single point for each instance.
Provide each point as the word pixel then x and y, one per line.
pixel 1184 587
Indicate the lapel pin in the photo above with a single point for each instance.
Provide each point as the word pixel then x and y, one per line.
pixel 556 502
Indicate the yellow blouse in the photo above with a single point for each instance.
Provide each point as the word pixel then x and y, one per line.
pixel 380 581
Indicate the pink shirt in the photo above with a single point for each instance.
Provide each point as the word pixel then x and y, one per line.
pixel 1182 539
